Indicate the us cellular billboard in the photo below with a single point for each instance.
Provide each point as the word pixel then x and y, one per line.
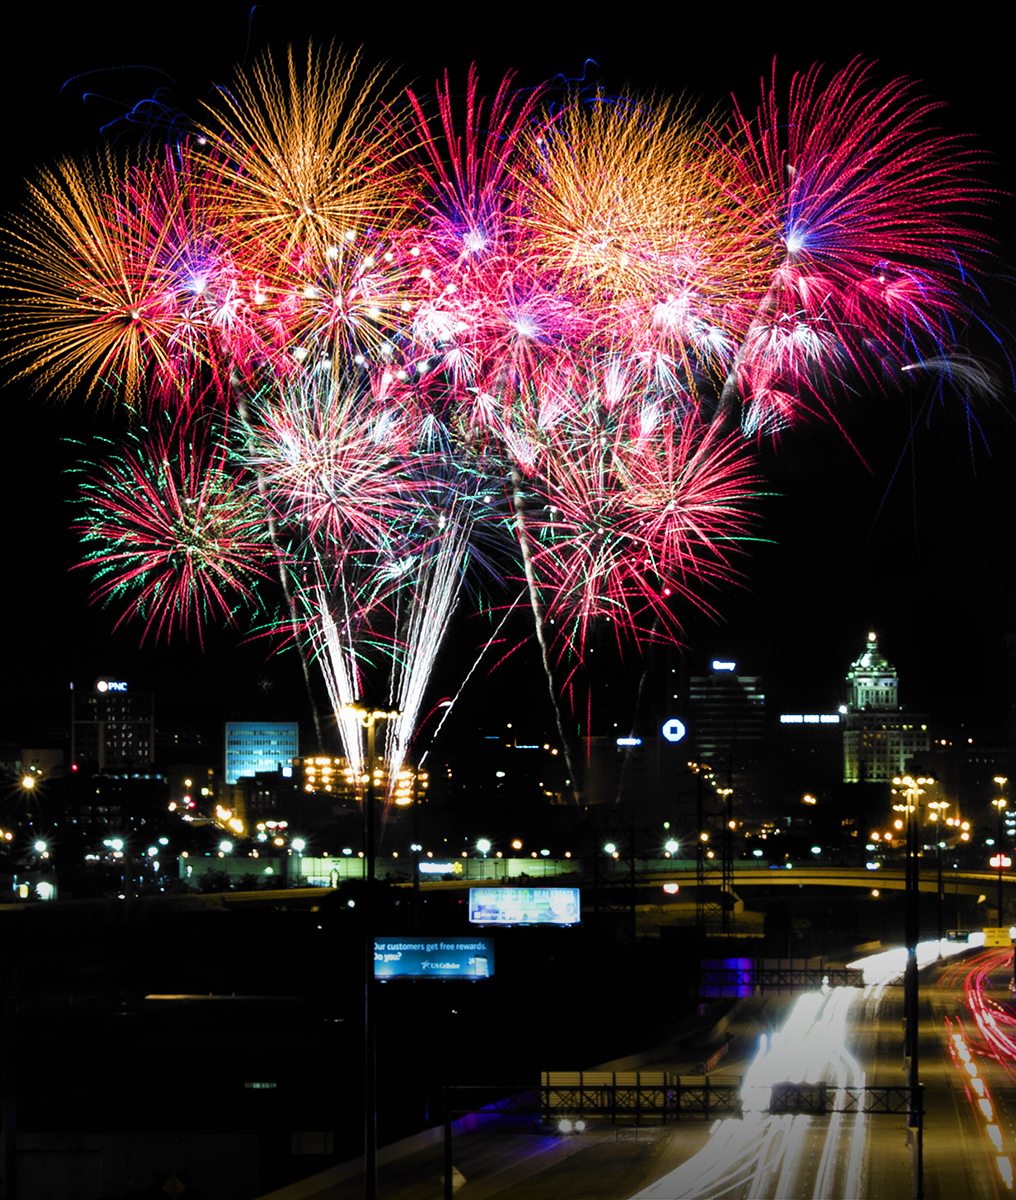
pixel 525 906
pixel 433 958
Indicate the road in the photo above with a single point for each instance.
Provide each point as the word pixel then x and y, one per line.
pixel 773 1156
pixel 846 1036
pixel 849 1037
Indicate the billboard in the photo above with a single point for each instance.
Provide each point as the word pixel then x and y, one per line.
pixel 433 958
pixel 525 906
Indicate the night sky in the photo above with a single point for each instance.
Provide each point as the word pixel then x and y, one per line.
pixel 910 532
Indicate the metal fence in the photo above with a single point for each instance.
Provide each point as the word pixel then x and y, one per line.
pixel 639 1097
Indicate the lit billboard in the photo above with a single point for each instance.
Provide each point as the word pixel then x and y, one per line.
pixel 525 906
pixel 433 958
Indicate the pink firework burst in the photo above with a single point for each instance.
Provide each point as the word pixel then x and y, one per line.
pixel 867 209
pixel 632 521
pixel 173 533
pixel 334 464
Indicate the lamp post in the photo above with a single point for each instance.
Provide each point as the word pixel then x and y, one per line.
pixel 937 814
pixel 368 715
pixel 1000 806
pixel 911 789
pixel 727 877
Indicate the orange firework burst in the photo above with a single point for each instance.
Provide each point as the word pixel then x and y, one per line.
pixel 629 205
pixel 91 300
pixel 312 191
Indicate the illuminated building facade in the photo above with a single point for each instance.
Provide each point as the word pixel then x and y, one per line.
pixel 879 738
pixel 332 776
pixel 112 727
pixel 253 746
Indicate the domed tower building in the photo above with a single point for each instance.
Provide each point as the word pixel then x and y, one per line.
pixel 879 738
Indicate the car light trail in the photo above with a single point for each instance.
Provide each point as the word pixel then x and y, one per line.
pixel 996 1026
pixel 772 1155
pixel 890 964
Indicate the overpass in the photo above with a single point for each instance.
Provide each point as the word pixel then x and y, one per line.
pixel 657 872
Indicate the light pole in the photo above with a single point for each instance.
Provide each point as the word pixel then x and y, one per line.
pixel 368 715
pixel 911 789
pixel 1000 806
pixel 727 878
pixel 937 814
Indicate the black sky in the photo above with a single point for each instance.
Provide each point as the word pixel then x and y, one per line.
pixel 912 534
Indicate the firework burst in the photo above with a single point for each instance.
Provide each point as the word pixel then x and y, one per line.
pixel 867 214
pixel 92 306
pixel 173 534
pixel 310 160
pixel 637 515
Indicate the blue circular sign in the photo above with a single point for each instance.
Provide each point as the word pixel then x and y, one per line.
pixel 673 730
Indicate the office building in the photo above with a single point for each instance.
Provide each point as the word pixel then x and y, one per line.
pixel 112 727
pixel 879 738
pixel 253 746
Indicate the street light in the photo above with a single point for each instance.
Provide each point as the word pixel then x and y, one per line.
pixel 912 789
pixel 937 813
pixel 368 715
pixel 1000 805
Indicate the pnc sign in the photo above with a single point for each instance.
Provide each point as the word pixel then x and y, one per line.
pixel 673 730
pixel 111 685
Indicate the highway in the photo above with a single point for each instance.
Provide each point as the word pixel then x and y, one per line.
pixel 774 1156
pixel 846 1036
pixel 851 1036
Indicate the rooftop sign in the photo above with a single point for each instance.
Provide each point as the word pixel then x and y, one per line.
pixel 673 730
pixel 440 868
pixel 809 718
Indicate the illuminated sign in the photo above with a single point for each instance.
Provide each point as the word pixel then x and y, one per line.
pixel 809 718
pixel 673 730
pixel 110 685
pixel 1000 860
pixel 629 741
pixel 440 868
pixel 525 906
pixel 433 957
pixel 720 664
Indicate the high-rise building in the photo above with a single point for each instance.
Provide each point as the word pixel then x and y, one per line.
pixel 727 723
pixel 879 737
pixel 112 728
pixel 253 746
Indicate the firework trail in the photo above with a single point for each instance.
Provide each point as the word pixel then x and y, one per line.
pixel 386 517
